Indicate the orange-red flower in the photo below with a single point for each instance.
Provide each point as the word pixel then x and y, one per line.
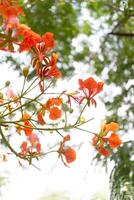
pixel 53 101
pixel 50 70
pixel 30 37
pixel 26 116
pixel 103 151
pixel 24 148
pixel 10 10
pixel 90 88
pixel 31 148
pixel 40 118
pixel 28 128
pixel 113 126
pixel 114 141
pixel 38 147
pixel 102 140
pixel 40 44
pixel 33 139
pixel 39 47
pixel 95 140
pixel 23 30
pixel 69 153
pixel 48 38
pixel 51 105
pixel 55 113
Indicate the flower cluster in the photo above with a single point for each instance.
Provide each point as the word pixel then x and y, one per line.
pixel 50 111
pixel 107 137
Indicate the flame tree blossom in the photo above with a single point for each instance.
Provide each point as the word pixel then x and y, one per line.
pixel 35 113
pixel 102 140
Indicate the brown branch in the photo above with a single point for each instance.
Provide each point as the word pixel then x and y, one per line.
pixel 121 34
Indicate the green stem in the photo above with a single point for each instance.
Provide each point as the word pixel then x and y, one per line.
pixel 8 145
pixel 9 101
pixel 81 113
pixel 26 91
pixel 87 131
pixel 11 148
pixel 44 129
pixel 21 106
pixel 59 133
pixel 24 82
pixel 53 151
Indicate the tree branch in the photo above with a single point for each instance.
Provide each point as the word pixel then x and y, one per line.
pixel 121 34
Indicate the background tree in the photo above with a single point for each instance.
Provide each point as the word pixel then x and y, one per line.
pixel 115 62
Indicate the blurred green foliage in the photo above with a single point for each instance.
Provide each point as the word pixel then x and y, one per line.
pixel 114 61
pixel 99 196
pixel 55 196
pixel 122 176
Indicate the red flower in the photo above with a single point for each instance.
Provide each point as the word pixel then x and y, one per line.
pixel 33 139
pixel 48 38
pixel 24 147
pixel 39 47
pixel 66 138
pixel 28 128
pixel 114 141
pixel 32 148
pixel 10 12
pixel 30 38
pixel 40 118
pixel 53 101
pixel 110 127
pixel 95 140
pixel 23 30
pixel 90 88
pixel 55 113
pixel 103 151
pixel 38 147
pixel 69 153
pixel 26 116
pixel 50 71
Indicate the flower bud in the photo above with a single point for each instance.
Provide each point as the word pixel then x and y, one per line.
pixel 82 119
pixel 7 83
pixel 25 71
pixel 1 95
pixel 71 110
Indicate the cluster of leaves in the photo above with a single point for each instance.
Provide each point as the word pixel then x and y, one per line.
pixel 122 176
